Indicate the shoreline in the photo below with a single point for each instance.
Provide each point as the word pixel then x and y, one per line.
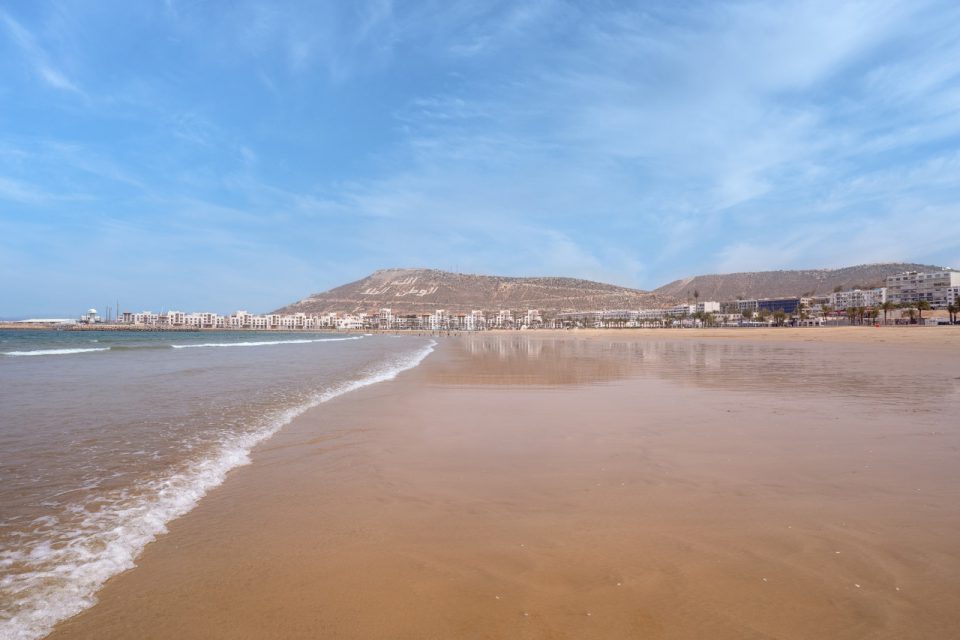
pixel 631 331
pixel 542 489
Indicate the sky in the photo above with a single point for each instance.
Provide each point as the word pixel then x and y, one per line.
pixel 202 155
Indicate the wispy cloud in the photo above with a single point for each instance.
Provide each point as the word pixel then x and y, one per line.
pixel 36 56
pixel 629 143
pixel 17 191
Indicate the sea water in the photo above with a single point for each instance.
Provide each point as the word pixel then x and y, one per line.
pixel 107 436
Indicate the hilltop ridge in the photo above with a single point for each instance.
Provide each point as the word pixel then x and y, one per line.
pixel 760 284
pixel 425 290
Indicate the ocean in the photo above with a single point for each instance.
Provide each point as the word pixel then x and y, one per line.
pixel 105 437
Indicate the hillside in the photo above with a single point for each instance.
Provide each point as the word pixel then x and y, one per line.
pixel 426 290
pixel 759 284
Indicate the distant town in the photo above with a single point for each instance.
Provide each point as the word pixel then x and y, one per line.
pixel 904 299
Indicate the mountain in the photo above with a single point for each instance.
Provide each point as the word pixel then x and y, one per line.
pixel 426 290
pixel 760 284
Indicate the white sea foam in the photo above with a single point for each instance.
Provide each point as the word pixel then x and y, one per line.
pixel 110 539
pixel 261 343
pixel 53 352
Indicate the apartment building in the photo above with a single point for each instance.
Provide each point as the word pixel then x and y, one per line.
pixel 854 298
pixel 439 320
pixel 475 321
pixel 504 319
pixel 532 318
pixel 750 305
pixel 936 288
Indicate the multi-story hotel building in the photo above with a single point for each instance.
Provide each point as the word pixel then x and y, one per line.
pixel 787 305
pixel 937 287
pixel 842 300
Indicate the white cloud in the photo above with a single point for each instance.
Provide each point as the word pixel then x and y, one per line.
pixel 37 57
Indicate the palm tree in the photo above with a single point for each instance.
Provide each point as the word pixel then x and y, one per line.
pixel 887 306
pixel 953 310
pixel 826 310
pixel 922 305
pixel 851 314
pixel 779 316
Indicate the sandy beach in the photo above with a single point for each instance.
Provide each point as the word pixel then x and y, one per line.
pixel 768 483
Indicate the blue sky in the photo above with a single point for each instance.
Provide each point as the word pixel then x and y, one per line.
pixel 223 155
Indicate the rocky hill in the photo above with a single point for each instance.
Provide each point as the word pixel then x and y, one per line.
pixel 759 284
pixel 426 290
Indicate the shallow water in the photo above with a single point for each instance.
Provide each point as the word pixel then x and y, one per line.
pixel 106 436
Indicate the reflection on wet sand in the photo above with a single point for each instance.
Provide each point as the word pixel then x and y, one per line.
pixel 533 487
pixel 800 368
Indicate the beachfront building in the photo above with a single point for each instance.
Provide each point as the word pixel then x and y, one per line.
pixel 867 298
pixel 202 320
pixel 385 318
pixel 649 318
pixel 789 306
pixel 504 319
pixel 439 321
pixel 936 287
pixel 475 321
pixel 571 319
pixel 532 319
pixel 749 306
pixel 90 317
pixel 148 318
pixel 350 321
pixel 241 320
pixel 617 318
pixel 953 295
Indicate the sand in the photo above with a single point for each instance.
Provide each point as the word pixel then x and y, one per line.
pixel 664 484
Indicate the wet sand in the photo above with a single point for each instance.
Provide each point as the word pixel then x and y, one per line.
pixel 603 485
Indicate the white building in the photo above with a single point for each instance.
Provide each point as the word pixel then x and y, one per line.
pixel 148 318
pixel 439 320
pixel 241 320
pixel 349 321
pixel 474 321
pixel 504 319
pixel 934 287
pixel 953 295
pixel 842 300
pixel 532 319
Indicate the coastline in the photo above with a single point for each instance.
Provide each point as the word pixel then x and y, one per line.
pixel 525 485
